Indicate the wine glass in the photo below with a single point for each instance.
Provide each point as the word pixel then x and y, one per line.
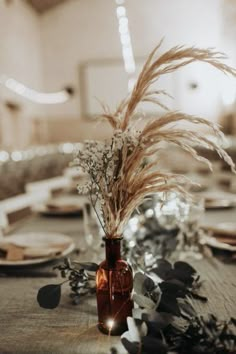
pixel 189 237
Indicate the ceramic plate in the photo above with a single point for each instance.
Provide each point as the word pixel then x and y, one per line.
pixel 38 243
pixel 219 203
pixel 215 243
pixel 59 211
pixel 223 236
pixel 65 205
pixel 224 232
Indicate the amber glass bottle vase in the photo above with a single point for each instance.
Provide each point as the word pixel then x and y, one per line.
pixel 114 283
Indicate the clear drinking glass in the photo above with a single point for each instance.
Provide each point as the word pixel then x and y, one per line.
pixel 189 243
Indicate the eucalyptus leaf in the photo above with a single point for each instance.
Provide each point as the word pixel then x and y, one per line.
pixel 163 269
pixel 156 295
pixel 49 296
pixel 153 345
pixel 158 319
pixel 144 301
pixel 149 284
pixel 184 272
pixel 169 304
pixel 139 281
pixel 172 288
pixel 233 320
pixel 143 329
pixel 133 330
pixel 131 347
pixel 186 308
pixel 137 313
pixel 185 267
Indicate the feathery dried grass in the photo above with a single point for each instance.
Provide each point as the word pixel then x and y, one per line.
pixel 136 175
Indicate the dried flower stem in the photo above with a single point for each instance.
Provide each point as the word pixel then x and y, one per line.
pixel 124 170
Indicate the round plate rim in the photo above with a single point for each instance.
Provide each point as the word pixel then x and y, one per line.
pixel 212 242
pixel 41 260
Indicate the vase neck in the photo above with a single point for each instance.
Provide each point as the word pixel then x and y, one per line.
pixel 112 251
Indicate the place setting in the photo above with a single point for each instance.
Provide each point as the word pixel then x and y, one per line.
pixel 221 238
pixel 117 177
pixel 62 206
pixel 217 200
pixel 34 248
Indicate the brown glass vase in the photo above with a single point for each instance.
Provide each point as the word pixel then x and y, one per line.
pixel 114 284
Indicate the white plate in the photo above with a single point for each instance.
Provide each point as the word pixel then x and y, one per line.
pixel 213 242
pixel 38 240
pixel 219 203
pixel 64 205
pixel 224 229
pixel 44 210
pixel 228 228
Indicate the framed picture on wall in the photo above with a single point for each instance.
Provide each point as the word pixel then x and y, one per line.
pixel 105 81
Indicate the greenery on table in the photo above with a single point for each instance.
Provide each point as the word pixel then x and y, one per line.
pixel 165 320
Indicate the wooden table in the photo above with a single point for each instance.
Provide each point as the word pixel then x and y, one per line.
pixel 27 328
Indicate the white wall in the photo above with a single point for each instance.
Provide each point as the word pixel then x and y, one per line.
pixel 73 33
pixel 81 30
pixel 20 58
pixel 45 51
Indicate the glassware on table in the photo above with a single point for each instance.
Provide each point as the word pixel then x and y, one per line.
pixel 114 285
pixel 151 233
pixel 166 226
pixel 189 238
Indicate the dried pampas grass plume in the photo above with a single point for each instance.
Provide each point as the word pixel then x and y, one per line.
pixel 135 171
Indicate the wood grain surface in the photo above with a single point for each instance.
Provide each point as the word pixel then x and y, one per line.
pixel 27 328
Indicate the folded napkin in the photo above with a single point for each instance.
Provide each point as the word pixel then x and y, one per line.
pixel 12 252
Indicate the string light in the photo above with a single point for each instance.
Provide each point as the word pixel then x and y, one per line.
pixel 16 155
pixel 125 39
pixel 33 95
pixel 4 156
pixel 23 155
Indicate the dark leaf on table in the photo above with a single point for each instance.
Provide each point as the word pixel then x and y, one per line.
pixel 174 289
pixel 131 347
pixel 184 272
pixel 233 320
pixel 169 304
pixel 159 319
pixel 163 269
pixel 181 271
pixel 152 345
pixel 149 284
pixel 49 296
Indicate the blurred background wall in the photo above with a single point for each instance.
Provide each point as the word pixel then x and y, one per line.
pixel 48 48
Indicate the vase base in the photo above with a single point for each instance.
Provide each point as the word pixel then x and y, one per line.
pixel 116 331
